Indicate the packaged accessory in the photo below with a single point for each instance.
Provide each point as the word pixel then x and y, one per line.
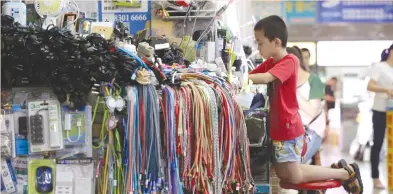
pixel 45 132
pixel 20 169
pixel 74 128
pixel 83 147
pixel 75 176
pixel 6 133
pixel 20 130
pixel 8 178
pixel 42 174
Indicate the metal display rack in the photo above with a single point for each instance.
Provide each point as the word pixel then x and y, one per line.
pixel 260 147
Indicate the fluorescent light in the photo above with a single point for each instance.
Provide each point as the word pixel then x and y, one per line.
pixel 350 53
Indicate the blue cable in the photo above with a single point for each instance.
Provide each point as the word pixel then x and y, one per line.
pixel 137 58
pixel 135 170
pixel 138 172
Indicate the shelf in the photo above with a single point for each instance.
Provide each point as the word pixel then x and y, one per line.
pixel 192 11
pixel 189 17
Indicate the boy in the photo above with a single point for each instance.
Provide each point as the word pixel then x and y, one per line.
pixel 279 71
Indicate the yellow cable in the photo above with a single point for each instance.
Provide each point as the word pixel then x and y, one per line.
pixel 102 131
pixel 107 91
pixel 95 109
pixel 105 170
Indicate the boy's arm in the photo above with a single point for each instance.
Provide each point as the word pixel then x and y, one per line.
pixel 281 70
pixel 261 78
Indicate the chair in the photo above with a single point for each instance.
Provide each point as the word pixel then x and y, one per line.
pixel 312 186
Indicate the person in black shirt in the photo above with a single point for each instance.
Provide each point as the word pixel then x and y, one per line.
pixel 329 93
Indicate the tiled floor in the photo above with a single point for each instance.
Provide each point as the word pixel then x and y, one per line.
pixel 330 155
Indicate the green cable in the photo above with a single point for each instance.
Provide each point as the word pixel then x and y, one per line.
pixel 102 131
pixel 95 109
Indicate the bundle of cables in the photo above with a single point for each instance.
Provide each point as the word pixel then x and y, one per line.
pixel 71 65
pixel 205 136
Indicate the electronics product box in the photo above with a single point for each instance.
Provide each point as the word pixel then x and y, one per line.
pixel 7 133
pixel 75 176
pixel 77 133
pixel 45 132
pixel 8 178
pixel 20 130
pixel 74 129
pixel 42 176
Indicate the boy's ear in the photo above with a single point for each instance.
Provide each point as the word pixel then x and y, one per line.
pixel 277 42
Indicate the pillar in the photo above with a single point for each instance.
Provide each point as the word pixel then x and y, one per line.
pixel 389 136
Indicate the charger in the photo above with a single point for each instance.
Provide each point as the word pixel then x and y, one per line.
pixel 68 127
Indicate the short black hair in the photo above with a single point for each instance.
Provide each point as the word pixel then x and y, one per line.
pixel 273 27
pixel 306 50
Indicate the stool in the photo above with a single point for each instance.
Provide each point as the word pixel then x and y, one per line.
pixel 317 185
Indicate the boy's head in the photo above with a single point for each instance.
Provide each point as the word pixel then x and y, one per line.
pixel 271 35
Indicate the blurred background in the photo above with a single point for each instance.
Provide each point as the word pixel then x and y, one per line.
pixel 344 39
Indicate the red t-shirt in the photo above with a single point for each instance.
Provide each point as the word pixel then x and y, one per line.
pixel 284 119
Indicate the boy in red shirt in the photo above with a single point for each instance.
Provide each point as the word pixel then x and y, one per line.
pixel 279 71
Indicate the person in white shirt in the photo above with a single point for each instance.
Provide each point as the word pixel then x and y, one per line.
pixel 381 83
pixel 310 96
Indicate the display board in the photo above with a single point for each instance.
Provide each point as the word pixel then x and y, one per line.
pixel 263 8
pixel 300 12
pixel 135 18
pixel 311 46
pixel 350 53
pixel 371 11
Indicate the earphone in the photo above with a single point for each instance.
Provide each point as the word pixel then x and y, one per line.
pixel 120 103
pixel 113 103
pixel 112 122
pixel 110 103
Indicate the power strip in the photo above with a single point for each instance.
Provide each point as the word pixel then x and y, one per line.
pixel 6 175
pixel 54 127
pixel 64 183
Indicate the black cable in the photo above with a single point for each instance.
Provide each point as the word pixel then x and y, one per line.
pixel 53 57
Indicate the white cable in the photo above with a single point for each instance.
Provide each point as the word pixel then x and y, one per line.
pixel 79 125
pixel 206 31
pixel 77 139
pixel 77 11
pixel 188 13
pixel 192 31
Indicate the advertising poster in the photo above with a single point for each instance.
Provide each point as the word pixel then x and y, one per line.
pixel 300 12
pixel 136 16
pixel 355 11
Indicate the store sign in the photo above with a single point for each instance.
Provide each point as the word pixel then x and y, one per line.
pixel 376 11
pixel 262 9
pixel 300 12
pixel 135 18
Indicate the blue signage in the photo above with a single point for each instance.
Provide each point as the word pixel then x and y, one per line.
pixel 135 18
pixel 332 11
pixel 300 12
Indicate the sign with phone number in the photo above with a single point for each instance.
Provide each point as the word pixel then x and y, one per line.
pixel 131 17
pixel 135 19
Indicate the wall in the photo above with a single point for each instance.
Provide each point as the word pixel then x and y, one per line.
pixel 174 27
pixel 340 32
